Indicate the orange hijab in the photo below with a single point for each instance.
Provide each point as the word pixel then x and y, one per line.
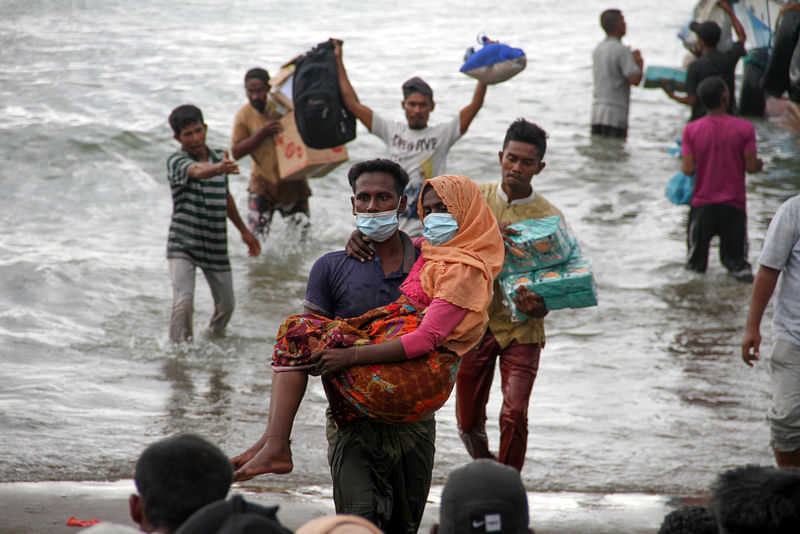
pixel 462 270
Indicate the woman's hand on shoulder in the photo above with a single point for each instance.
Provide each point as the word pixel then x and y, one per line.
pixel 358 247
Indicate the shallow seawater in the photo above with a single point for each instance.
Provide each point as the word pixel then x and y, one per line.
pixel 644 393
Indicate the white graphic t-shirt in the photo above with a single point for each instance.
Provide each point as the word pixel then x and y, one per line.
pixel 422 153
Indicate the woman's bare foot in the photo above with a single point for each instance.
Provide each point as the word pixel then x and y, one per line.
pixel 274 457
pixel 246 456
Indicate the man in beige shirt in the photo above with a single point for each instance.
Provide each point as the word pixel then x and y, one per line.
pixel 253 129
pixel 517 345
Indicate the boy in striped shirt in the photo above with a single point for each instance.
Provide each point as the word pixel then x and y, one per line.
pixel 198 178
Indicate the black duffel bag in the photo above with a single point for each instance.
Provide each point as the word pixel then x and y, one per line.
pixel 322 119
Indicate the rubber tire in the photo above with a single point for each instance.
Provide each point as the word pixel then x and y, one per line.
pixel 752 100
pixel 775 80
pixel 794 74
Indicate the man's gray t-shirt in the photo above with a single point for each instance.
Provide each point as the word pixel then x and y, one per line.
pixel 782 252
pixel 612 65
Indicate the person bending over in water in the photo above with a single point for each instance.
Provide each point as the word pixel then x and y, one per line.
pixel 389 369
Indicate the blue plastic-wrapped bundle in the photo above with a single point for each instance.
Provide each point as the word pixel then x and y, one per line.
pixel 566 285
pixel 541 243
pixel 494 63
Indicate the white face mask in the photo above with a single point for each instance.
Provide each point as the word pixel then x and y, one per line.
pixel 439 228
pixel 378 226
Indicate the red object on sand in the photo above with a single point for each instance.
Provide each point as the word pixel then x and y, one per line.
pixel 75 522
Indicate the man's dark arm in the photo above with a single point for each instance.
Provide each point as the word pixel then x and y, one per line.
pixel 248 144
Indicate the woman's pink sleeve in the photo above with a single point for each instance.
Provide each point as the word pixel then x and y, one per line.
pixel 440 319
pixel 418 241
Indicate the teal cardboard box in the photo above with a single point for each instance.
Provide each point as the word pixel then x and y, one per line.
pixel 567 285
pixel 541 243
pixel 674 79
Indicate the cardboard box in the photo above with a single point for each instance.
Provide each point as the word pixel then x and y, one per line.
pixel 566 285
pixel 540 243
pixel 281 88
pixel 296 161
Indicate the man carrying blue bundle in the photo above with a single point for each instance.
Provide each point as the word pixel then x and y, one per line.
pixel 718 149
pixel 420 149
pixel 517 344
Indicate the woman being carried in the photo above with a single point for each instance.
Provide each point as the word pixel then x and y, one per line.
pixel 396 363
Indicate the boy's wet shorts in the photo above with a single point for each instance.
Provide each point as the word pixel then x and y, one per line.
pixel 784 414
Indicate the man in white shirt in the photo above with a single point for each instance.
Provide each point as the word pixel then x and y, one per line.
pixel 614 68
pixel 420 149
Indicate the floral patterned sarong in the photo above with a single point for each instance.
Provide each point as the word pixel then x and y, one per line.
pixel 397 392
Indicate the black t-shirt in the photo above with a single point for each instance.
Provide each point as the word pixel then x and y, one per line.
pixel 714 63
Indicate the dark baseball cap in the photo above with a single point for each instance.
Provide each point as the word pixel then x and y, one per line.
pixel 484 497
pixel 234 516
pixel 708 31
pixel 417 85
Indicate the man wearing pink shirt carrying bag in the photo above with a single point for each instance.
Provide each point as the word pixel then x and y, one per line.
pixel 718 148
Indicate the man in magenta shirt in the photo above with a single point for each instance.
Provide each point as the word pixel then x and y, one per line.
pixel 718 149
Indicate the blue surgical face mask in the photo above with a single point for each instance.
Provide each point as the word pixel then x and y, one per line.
pixel 378 226
pixel 439 228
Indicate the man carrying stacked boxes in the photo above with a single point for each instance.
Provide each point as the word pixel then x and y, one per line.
pixel 516 330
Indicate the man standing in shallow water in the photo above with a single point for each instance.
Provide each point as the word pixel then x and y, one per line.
pixel 254 128
pixel 516 344
pixel 614 68
pixel 380 471
pixel 780 259
pixel 712 62
pixel 198 178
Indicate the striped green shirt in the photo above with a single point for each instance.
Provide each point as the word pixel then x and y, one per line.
pixel 198 231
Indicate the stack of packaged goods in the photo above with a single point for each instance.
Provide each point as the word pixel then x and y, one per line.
pixel 546 258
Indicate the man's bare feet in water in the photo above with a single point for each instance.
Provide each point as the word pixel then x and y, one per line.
pixel 246 456
pixel 274 457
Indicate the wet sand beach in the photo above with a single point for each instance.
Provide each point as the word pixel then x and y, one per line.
pixel 34 508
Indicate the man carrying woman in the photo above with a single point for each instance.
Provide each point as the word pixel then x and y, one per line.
pixel 388 370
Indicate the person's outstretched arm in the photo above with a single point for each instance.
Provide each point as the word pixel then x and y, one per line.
pixel 472 109
pixel 349 96
pixel 689 100
pixel 203 170
pixel 763 287
pixel 741 35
